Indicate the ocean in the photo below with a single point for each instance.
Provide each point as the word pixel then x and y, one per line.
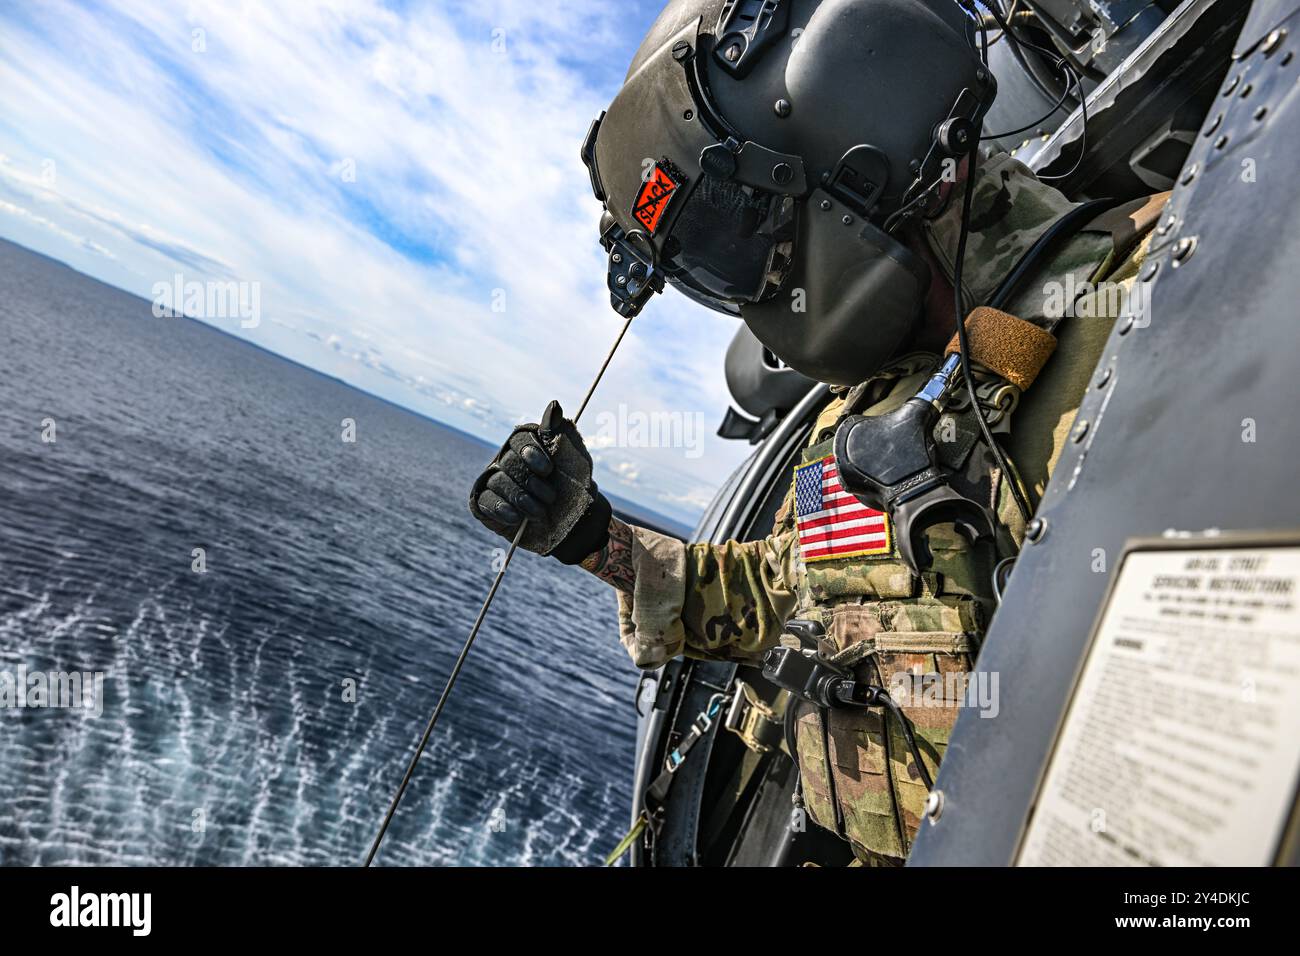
pixel 261 711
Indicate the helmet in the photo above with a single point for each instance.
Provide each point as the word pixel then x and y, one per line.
pixel 755 155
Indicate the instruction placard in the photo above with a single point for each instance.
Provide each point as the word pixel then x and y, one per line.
pixel 1181 744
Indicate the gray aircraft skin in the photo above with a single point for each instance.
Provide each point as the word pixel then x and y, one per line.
pixel 1179 96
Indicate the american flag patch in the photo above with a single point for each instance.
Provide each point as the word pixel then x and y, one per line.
pixel 832 523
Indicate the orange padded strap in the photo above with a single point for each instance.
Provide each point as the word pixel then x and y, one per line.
pixel 1013 348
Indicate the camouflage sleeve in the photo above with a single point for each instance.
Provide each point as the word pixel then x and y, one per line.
pixel 726 601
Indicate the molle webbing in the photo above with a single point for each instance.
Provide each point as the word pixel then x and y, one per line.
pixel 1013 348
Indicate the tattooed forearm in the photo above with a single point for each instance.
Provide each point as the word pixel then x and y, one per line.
pixel 613 563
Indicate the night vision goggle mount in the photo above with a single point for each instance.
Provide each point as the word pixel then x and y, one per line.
pixel 631 278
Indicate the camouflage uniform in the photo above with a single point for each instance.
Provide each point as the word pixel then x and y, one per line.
pixel 731 601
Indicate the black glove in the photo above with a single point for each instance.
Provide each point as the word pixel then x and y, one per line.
pixel 542 474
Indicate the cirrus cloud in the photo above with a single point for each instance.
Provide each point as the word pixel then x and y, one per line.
pixel 401 179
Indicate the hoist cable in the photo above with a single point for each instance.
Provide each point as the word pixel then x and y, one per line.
pixel 478 623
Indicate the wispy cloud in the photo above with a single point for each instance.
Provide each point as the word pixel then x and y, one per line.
pixel 402 180
pixel 41 191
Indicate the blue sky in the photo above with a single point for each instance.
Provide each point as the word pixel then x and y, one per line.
pixel 402 182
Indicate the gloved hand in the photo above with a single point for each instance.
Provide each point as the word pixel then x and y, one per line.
pixel 543 474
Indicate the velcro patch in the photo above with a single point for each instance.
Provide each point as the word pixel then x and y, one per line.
pixel 655 193
pixel 832 522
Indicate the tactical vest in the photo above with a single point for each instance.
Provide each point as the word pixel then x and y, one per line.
pixel 918 635
pixel 856 771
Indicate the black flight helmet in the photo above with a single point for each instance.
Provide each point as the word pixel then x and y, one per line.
pixel 757 150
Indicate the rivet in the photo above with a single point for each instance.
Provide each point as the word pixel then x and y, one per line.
pixel 1080 430
pixel 617 257
pixel 1149 270
pixel 1104 378
pixel 847 220
pixel 1183 249
pixel 1221 142
pixel 1190 173
pixel 782 174
pixel 1166 227
pixel 1035 530
pixel 689 115
pixel 934 806
pixel 782 108
pixel 1273 41
pixel 1232 85
pixel 826 205
pixel 1126 325
pixel 1287 57
pixel 1214 124
pixel 1247 90
pixel 1261 113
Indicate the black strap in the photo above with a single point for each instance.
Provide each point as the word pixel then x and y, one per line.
pixel 657 792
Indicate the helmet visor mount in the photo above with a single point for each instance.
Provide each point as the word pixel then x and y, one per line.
pixel 687 200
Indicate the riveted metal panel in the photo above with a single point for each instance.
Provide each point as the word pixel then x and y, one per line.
pixel 1192 426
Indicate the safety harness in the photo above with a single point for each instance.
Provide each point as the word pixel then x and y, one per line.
pixel 1010 352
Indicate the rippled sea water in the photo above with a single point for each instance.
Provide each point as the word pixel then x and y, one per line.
pixel 225 737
